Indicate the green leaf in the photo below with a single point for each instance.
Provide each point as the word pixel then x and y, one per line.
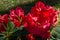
pixel 57 29
pixel 1 38
pixel 55 34
pixel 21 28
pixel 9 26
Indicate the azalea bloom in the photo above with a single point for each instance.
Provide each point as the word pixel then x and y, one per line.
pixel 16 16
pixel 3 22
pixel 39 20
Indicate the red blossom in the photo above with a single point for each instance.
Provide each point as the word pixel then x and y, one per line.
pixel 3 18
pixel 17 23
pixel 3 22
pixel 40 5
pixel 39 20
pixel 29 37
pixel 16 16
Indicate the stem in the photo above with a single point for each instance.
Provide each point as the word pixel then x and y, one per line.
pixel 52 31
pixel 7 35
pixel 4 26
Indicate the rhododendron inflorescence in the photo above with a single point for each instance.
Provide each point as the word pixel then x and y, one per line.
pixel 37 22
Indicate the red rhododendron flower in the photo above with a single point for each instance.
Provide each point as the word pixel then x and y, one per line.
pixel 16 16
pixel 29 37
pixel 3 22
pixel 39 20
pixel 40 5
pixel 3 18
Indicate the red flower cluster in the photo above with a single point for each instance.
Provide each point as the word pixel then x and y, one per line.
pixel 3 22
pixel 16 16
pixel 36 22
pixel 39 20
